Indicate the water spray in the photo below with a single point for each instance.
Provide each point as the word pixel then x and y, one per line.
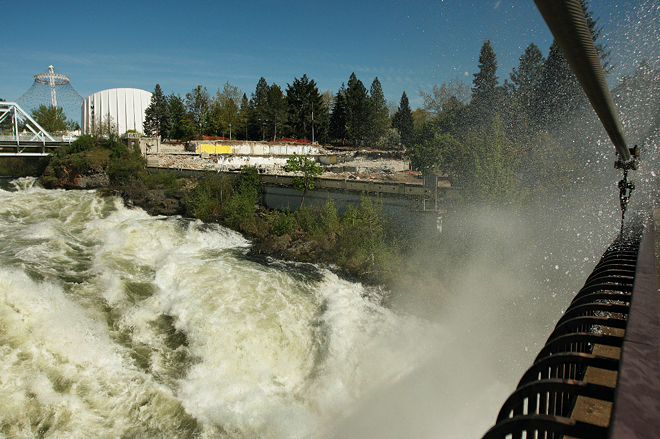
pixel 568 25
pixel 597 375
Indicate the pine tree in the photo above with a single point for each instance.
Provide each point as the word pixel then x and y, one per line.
pixel 560 93
pixel 378 112
pixel 157 115
pixel 528 76
pixel 181 126
pixel 305 107
pixel 338 118
pixel 276 109
pixel 403 121
pixel 485 90
pixel 258 110
pixel 357 109
pixel 244 117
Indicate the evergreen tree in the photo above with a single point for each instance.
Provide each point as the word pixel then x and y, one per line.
pixel 181 125
pixel 276 109
pixel 258 110
pixel 379 114
pixel 528 76
pixel 485 90
pixel 338 119
pixel 157 115
pixel 560 93
pixel 357 109
pixel 403 121
pixel 525 81
pixel 244 117
pixel 305 106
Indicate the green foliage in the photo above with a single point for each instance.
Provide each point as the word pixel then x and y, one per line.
pixel 157 116
pixel 403 121
pixel 306 110
pixel 378 114
pixel 249 180
pixel 363 246
pixel 492 159
pixel 197 107
pixel 83 143
pixel 123 168
pixel 282 222
pixel 338 119
pixel 52 119
pixel 206 199
pixel 22 166
pixel 305 165
pixel 276 110
pixel 167 181
pixel 357 109
pixel 225 114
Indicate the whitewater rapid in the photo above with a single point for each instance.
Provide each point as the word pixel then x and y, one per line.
pixel 118 324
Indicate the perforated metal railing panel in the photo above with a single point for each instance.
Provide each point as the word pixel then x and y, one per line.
pixel 598 375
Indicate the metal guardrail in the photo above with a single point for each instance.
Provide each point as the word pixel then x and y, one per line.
pixel 598 375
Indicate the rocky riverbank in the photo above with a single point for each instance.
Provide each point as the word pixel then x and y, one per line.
pixel 357 245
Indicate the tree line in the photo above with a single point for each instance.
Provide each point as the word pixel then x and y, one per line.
pixel 499 141
pixel 352 115
pixel 503 141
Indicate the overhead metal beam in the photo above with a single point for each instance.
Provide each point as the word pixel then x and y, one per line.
pixel 568 25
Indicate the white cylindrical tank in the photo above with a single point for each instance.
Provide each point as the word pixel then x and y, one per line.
pixel 122 106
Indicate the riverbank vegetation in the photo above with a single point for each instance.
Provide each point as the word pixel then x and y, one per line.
pixel 359 242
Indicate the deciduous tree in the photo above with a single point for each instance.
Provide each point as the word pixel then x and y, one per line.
pixel 52 119
pixel 307 170
pixel 197 106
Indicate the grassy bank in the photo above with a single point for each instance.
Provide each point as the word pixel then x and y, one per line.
pixel 360 242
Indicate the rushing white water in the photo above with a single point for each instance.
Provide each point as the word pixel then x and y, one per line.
pixel 117 324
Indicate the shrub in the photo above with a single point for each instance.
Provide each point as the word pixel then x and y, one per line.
pixel 283 222
pixel 205 200
pixel 81 144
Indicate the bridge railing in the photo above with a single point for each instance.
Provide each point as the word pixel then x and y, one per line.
pixel 598 375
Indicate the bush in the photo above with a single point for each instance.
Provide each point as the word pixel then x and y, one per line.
pixel 283 222
pixel 126 167
pixel 81 144
pixel 206 199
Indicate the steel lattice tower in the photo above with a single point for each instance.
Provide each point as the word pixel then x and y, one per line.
pixel 52 88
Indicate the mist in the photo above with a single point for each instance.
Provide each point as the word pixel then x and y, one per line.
pixel 497 279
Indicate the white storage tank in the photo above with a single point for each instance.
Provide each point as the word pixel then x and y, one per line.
pixel 124 106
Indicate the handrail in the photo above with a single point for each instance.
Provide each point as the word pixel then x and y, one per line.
pixel 611 318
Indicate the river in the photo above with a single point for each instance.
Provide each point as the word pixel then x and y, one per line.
pixel 118 324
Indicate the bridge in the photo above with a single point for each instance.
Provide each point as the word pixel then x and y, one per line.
pixel 598 375
pixel 27 138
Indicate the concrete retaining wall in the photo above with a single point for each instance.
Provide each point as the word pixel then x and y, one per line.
pixel 250 148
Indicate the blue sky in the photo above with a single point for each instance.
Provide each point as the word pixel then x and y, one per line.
pixel 407 44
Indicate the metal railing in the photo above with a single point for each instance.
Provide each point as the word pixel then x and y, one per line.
pixel 598 375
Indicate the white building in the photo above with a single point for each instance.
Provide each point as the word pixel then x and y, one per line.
pixel 124 106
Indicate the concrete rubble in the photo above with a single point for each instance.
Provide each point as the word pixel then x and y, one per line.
pixel 352 164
